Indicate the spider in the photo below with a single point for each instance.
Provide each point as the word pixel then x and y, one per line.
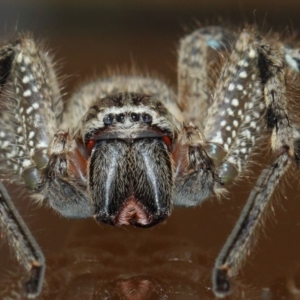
pixel 127 148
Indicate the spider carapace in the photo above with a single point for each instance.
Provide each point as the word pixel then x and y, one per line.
pixel 127 148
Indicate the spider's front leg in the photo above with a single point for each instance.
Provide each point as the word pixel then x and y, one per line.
pixel 196 174
pixel 237 118
pixel 284 140
pixel 30 113
pixel 21 240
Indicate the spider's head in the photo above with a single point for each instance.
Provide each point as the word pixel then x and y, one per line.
pixel 128 140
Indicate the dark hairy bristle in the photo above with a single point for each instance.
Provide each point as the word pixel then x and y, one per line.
pixel 297 152
pixel 263 67
pixel 6 57
pixel 271 118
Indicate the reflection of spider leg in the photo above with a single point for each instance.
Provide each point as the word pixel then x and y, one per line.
pixel 291 286
pixel 19 237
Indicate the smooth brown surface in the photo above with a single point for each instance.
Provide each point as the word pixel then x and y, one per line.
pixel 174 259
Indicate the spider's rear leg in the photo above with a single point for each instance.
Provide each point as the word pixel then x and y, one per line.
pixel 272 71
pixel 196 51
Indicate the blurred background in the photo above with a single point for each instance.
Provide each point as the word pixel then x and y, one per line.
pixel 174 259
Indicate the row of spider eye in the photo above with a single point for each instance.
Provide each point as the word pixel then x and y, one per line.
pixel 134 117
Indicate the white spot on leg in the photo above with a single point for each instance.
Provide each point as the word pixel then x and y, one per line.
pixel 239 87
pixel 5 144
pixel 29 110
pixel 27 93
pixel 252 53
pixel 223 123
pixel 247 134
pixel 42 145
pixel 241 63
pixel 256 114
pixel 229 111
pixel 26 163
pixel 243 74
pixel 235 102
pixel 247 119
pixel 35 105
pixel 25 79
pixel 27 60
pixel 218 138
pixel 31 134
pixel 20 57
pixel 231 87
pixel 233 133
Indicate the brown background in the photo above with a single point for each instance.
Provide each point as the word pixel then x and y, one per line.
pixel 87 38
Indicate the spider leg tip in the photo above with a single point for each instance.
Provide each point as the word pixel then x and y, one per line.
pixel 221 283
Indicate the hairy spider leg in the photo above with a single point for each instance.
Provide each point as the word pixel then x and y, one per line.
pixel 195 52
pixel 31 106
pixel 20 238
pixel 34 105
pixel 234 125
pixel 234 121
pixel 272 69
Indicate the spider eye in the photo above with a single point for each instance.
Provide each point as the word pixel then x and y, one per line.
pixel 108 119
pixel 147 118
pixel 90 145
pixel 120 118
pixel 135 117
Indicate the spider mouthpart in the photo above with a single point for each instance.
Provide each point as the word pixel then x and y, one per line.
pixel 133 213
pixel 127 184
